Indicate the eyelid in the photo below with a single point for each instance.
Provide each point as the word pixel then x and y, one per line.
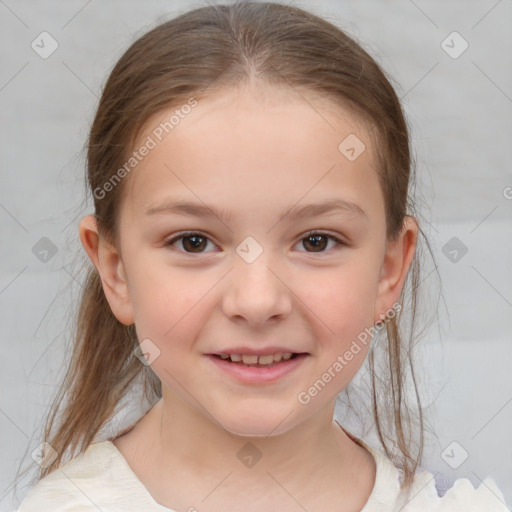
pixel 334 236
pixel 177 236
pixel 339 240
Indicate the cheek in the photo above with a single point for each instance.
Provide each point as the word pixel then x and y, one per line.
pixel 167 302
pixel 342 300
pixel 170 312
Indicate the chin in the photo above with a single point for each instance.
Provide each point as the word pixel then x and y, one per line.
pixel 252 432
pixel 258 425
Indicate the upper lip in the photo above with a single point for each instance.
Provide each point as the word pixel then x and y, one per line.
pixel 256 351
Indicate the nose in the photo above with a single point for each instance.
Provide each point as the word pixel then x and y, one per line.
pixel 256 292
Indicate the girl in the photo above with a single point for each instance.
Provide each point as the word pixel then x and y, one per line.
pixel 252 235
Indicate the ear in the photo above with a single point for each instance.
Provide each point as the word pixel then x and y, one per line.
pixel 397 261
pixel 107 260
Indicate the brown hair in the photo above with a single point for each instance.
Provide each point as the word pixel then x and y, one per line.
pixel 224 46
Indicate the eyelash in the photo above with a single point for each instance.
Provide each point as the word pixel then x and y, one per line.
pixel 187 234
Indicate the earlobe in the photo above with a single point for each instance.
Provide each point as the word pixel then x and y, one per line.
pixel 105 257
pixel 397 261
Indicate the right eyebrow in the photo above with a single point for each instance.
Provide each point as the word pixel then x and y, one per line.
pixel 331 206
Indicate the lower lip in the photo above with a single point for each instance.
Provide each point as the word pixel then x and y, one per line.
pixel 255 375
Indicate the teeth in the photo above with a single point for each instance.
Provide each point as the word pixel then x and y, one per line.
pixel 254 359
pixel 265 359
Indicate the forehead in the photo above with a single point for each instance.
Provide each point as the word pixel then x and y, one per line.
pixel 254 143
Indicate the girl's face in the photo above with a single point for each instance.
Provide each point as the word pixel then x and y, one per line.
pixel 262 270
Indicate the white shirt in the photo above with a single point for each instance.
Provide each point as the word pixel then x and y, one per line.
pixel 100 479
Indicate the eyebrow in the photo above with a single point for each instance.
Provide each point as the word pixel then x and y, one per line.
pixel 330 206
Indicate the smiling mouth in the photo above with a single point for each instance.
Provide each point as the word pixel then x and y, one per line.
pixel 255 361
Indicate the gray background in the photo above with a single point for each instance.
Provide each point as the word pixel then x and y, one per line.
pixel 460 114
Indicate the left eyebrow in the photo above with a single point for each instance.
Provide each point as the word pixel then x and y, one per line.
pixel 331 206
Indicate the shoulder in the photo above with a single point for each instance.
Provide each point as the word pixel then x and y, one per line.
pixel 427 495
pixel 84 483
pixel 462 496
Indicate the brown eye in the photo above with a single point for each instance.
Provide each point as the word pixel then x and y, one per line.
pixel 317 242
pixel 190 242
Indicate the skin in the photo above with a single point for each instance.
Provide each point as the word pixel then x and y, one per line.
pixel 253 152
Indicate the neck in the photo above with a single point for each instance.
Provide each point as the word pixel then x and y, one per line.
pixel 188 435
pixel 175 448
